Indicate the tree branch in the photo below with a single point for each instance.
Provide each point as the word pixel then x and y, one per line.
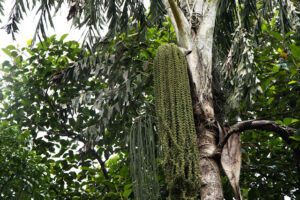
pixel 75 136
pixel 72 134
pixel 102 164
pixel 265 125
pixel 176 13
pixel 180 24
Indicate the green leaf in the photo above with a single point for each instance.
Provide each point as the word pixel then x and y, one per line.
pixel 295 51
pixel 270 100
pixel 292 82
pixel 276 68
pixel 276 35
pixel 63 37
pixel 124 171
pixel 126 187
pixel 264 27
pixel 6 63
pixel 287 121
pixel 297 138
pixel 289 34
pixel 126 193
pixel 6 51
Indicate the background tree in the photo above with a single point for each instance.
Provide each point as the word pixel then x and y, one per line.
pixel 49 93
pixel 220 36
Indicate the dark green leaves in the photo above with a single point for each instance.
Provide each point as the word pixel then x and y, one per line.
pixel 78 109
pixel 143 156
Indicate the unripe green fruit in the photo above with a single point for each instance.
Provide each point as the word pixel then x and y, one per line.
pixel 176 127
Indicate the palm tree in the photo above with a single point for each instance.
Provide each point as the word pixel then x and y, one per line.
pixel 218 38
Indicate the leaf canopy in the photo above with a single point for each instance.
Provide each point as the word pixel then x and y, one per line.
pixel 69 104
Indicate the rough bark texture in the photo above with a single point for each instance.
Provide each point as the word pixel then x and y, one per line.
pixel 194 25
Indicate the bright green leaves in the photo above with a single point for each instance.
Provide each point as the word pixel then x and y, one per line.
pixel 295 50
pixel 288 121
pixel 34 104
pixel 9 50
pixel 22 173
pixel 120 184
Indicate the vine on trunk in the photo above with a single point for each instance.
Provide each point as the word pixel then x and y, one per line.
pixel 176 127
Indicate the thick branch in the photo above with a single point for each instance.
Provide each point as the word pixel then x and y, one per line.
pixel 265 125
pixel 180 24
pixel 176 13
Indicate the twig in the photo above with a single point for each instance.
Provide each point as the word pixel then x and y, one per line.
pixel 71 134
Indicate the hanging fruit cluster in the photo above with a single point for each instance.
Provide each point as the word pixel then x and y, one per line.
pixel 175 122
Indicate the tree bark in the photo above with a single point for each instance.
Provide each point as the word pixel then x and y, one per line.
pixel 194 25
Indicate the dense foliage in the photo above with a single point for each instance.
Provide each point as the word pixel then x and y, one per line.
pixel 66 111
pixel 269 164
pixel 278 59
pixel 56 94
pixel 49 119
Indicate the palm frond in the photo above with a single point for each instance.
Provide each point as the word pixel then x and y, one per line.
pixel 143 165
pixel 238 25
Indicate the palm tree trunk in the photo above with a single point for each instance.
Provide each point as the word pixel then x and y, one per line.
pixel 194 25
